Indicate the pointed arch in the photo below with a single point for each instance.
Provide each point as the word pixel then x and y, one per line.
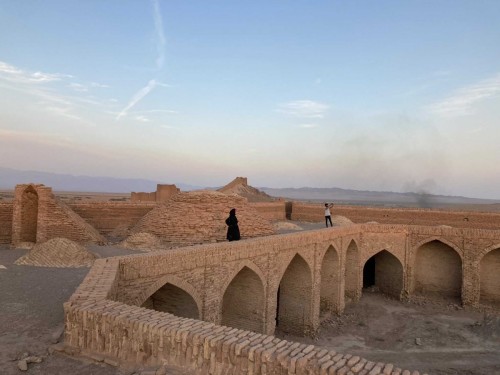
pixel 293 313
pixel 173 295
pixel 438 270
pixel 249 264
pixel 29 214
pixel 243 302
pixel 442 240
pixel 385 271
pixel 352 272
pixel 489 284
pixel 330 281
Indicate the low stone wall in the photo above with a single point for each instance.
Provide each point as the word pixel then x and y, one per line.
pixel 6 210
pixel 273 211
pixel 405 216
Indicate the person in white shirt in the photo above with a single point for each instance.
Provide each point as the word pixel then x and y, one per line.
pixel 328 215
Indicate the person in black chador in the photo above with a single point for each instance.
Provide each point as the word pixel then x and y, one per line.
pixel 233 231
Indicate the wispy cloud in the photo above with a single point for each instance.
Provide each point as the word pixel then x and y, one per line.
pixel 304 109
pixel 463 101
pixel 13 74
pixel 142 118
pixel 160 36
pixel 81 87
pixel 308 126
pixel 138 96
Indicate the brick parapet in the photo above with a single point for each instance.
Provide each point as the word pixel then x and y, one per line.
pixel 134 335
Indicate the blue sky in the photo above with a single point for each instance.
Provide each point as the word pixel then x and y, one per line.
pixel 367 95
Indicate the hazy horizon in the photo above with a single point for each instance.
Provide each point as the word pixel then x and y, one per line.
pixel 371 96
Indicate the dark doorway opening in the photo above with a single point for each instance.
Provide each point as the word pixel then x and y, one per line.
pixel 288 210
pixel 278 308
pixel 369 273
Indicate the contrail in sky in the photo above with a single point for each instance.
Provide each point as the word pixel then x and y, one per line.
pixel 160 46
pixel 139 95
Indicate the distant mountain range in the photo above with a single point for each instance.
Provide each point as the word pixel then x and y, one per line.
pixel 345 196
pixel 9 178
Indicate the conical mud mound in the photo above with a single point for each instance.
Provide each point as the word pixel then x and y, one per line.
pixel 58 252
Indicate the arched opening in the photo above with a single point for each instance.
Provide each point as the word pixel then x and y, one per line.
pixel 438 271
pixel 29 214
pixel 329 289
pixel 352 273
pixel 294 298
pixel 174 300
pixel 490 279
pixel 243 302
pixel 384 271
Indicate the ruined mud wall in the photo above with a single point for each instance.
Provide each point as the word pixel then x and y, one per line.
pixel 110 217
pixel 143 197
pixel 6 210
pixel 406 216
pixel 273 211
pixel 52 218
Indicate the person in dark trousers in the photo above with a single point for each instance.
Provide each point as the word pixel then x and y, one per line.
pixel 233 231
pixel 328 215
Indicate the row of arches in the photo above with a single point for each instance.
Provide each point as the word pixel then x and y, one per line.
pixel 437 272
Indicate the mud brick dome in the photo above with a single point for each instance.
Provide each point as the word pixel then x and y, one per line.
pixel 199 217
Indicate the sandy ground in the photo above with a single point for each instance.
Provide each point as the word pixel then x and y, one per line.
pixel 437 337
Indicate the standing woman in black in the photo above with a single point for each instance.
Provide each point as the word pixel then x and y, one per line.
pixel 233 231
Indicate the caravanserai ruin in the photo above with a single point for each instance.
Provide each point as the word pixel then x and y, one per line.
pixel 213 307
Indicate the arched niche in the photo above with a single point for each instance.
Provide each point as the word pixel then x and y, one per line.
pixel 489 271
pixel 351 275
pixel 293 313
pixel 438 270
pixel 29 215
pixel 330 281
pixel 384 271
pixel 243 303
pixel 174 300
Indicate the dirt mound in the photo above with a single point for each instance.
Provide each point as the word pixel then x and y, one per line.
pixel 341 220
pixel 283 225
pixel 240 186
pixel 142 241
pixel 58 252
pixel 199 217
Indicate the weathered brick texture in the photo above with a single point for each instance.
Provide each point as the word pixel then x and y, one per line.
pixel 112 217
pixel 281 276
pixel 199 217
pixel 39 216
pixel 6 211
pixel 406 216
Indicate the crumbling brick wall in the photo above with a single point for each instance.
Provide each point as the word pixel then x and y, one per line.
pixel 274 211
pixel 50 218
pixel 6 211
pixel 406 216
pixel 110 216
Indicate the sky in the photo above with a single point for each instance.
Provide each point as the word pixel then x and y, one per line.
pixel 367 95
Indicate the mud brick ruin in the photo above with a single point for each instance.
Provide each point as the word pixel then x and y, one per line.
pixel 214 307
